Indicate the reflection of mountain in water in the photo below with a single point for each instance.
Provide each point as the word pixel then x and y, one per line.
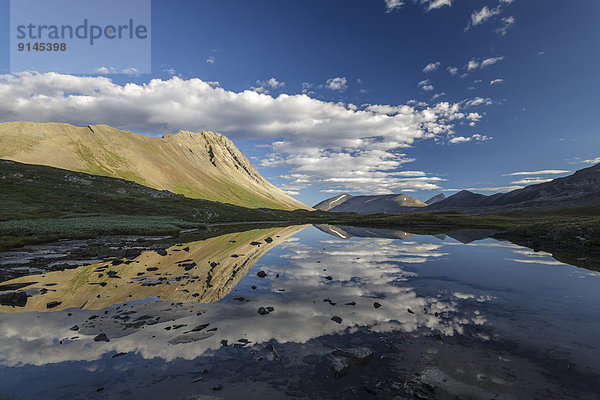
pixel 203 272
pixel 347 232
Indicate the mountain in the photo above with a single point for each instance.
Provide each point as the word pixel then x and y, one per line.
pixel 347 232
pixel 328 204
pixel 203 272
pixel 435 199
pixel 577 190
pixel 387 203
pixel 204 165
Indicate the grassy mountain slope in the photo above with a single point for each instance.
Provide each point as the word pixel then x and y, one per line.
pixel 203 165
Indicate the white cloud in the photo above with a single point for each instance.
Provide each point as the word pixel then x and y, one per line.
pixel 438 95
pixel 452 70
pixel 431 67
pixel 479 17
pixel 170 71
pixel 478 101
pixel 474 64
pixel 542 172
pixel 338 84
pixel 474 138
pixel 211 60
pixel 496 81
pixel 343 145
pixel 531 181
pixel 105 70
pixel 264 86
pixel 429 5
pixel 392 5
pixel 593 161
pixel 131 71
pixel 507 22
pixel 426 85
pixel 490 61
pixel 433 4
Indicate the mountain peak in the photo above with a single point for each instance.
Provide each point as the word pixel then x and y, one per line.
pixel 205 165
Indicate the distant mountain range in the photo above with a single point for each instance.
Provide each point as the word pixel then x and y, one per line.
pixel 580 189
pixel 204 165
pixel 387 203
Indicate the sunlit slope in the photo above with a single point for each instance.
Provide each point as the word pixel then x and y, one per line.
pixel 202 271
pixel 204 165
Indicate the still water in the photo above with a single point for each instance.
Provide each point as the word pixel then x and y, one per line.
pixel 303 312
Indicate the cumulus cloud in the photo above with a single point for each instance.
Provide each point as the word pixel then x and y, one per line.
pixel 320 137
pixel 211 60
pixel 496 81
pixel 264 86
pixel 474 138
pixel 426 85
pixel 105 70
pixel 337 84
pixel 431 67
pixel 452 70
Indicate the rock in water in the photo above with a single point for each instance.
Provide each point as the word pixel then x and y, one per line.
pixel 101 338
pixel 15 299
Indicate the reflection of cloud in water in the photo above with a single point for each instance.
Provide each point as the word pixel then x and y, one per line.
pixel 362 271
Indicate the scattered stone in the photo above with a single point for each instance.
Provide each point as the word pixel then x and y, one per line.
pixel 262 311
pixel 186 249
pixel 336 319
pixel 74 328
pixel 410 311
pixel 352 303
pixel 271 348
pixel 240 299
pixel 101 338
pixel 161 252
pixel 329 278
pixel 329 301
pixel 277 276
pixel 268 240
pixel 376 305
pixel 255 243
pixel 259 358
pixel 99 389
pixel 234 256
pixel 205 371
pixel 117 355
pixel 53 304
pixel 253 287
pixel 198 328
pixel 261 274
pixel 224 342
pixel 217 388
pixel 152 269
pixel 14 299
pixel 339 367
pixel 198 380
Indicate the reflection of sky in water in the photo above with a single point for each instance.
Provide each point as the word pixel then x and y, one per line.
pixel 487 293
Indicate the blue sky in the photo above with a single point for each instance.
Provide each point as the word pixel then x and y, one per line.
pixel 358 96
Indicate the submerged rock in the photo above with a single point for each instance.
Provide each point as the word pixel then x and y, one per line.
pixel 261 274
pixel 101 338
pixel 336 319
pixel 15 299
